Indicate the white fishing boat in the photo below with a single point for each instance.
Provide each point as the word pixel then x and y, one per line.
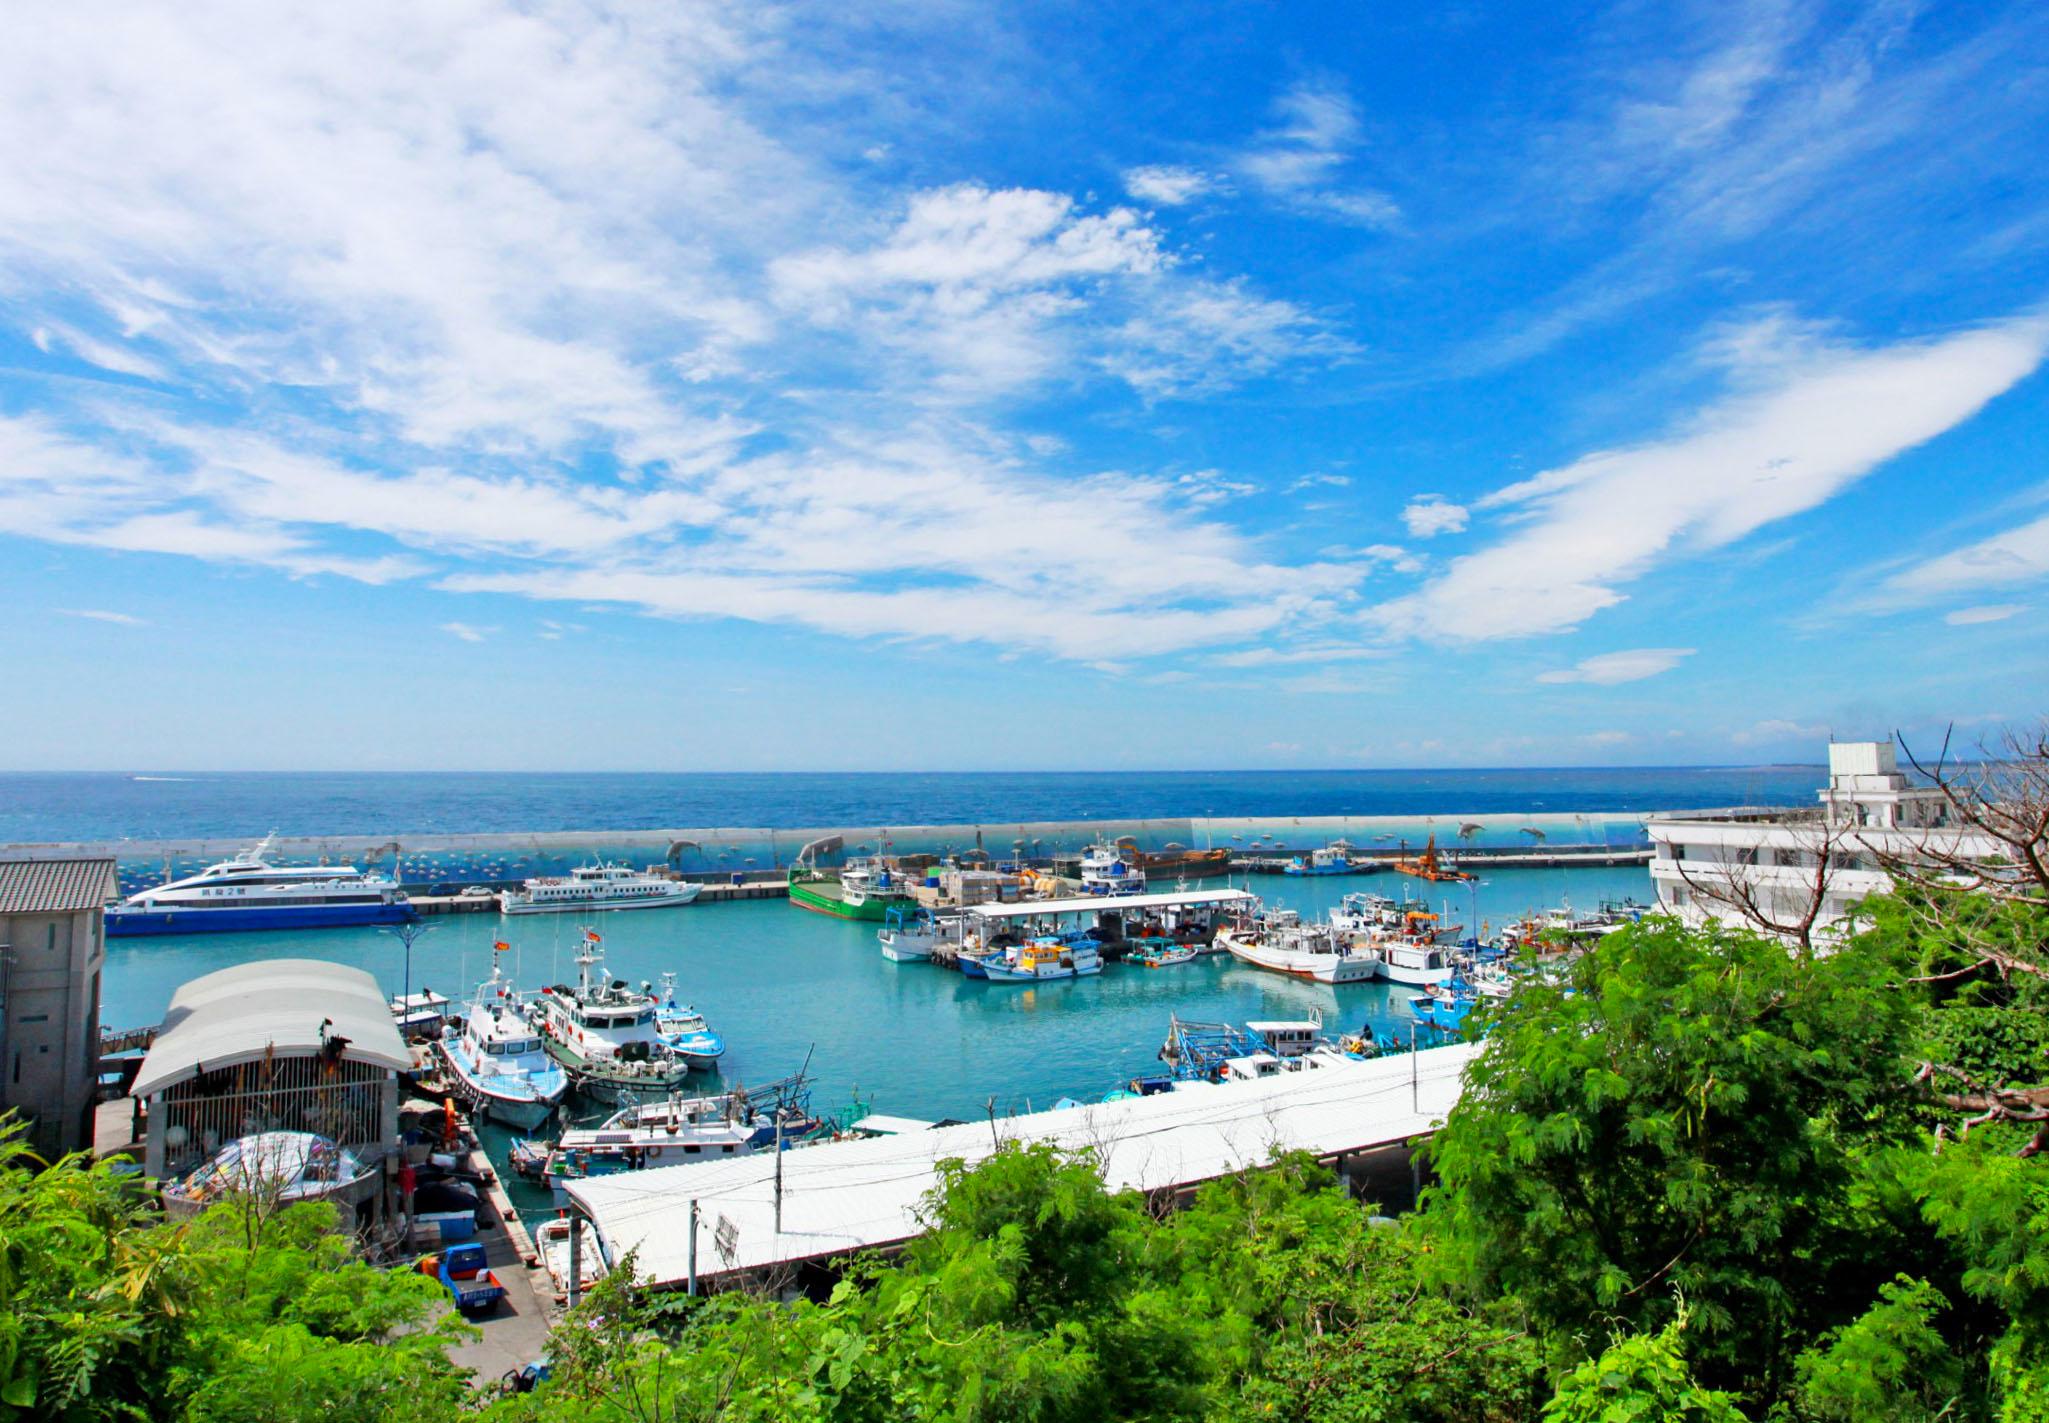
pixel 551 1241
pixel 1413 961
pixel 1285 945
pixel 496 1061
pixel 683 1029
pixel 671 1132
pixel 908 934
pixel 604 1033
pixel 1377 916
pixel 1105 870
pixel 605 886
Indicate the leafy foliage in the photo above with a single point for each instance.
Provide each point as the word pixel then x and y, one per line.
pixel 238 1315
pixel 1754 1174
pixel 1680 1117
pixel 1639 1379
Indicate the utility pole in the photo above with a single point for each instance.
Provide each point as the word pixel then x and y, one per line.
pixel 575 1259
pixel 779 1166
pixel 693 1247
pixel 1415 1082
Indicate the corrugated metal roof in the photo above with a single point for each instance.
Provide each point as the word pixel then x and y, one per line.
pixel 56 886
pixel 237 1014
pixel 855 1195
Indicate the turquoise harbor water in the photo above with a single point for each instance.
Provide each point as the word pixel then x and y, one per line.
pixel 782 984
pixel 909 1038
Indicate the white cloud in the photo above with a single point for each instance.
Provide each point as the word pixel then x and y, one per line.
pixel 1429 515
pixel 1608 738
pixel 1299 160
pixel 1779 731
pixel 1611 669
pixel 1167 185
pixel 1209 486
pixel 1797 431
pixel 468 632
pixel 101 615
pixel 1311 481
pixel 566 303
pixel 1983 613
pixel 2008 559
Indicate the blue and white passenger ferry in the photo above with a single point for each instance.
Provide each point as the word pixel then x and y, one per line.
pixel 248 892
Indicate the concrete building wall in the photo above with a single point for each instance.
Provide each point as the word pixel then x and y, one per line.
pixel 50 966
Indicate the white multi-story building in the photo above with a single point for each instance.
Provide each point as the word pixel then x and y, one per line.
pixel 1869 811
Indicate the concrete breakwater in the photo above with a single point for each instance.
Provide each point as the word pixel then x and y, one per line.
pixel 1037 839
pixel 442 863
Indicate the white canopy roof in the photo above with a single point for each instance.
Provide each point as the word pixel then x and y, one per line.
pixel 237 1014
pixel 1085 904
pixel 853 1195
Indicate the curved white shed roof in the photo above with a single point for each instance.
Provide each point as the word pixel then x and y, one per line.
pixel 237 1014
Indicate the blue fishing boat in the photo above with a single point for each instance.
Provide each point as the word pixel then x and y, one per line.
pixel 683 1030
pixel 1445 1009
pixel 1333 859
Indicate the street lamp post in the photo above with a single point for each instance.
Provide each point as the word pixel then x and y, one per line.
pixel 406 934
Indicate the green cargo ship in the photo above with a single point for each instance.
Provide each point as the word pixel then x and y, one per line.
pixel 864 889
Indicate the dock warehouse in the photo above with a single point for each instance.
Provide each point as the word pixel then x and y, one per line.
pixel 278 1045
pixel 849 1196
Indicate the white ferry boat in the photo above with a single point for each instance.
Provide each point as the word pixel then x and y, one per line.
pixel 1285 945
pixel 1104 870
pixel 496 1059
pixel 601 886
pixel 249 892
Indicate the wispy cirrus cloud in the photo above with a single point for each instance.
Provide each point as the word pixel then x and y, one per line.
pixel 563 302
pixel 1301 160
pixel 1612 669
pixel 1983 613
pixel 2012 558
pixel 102 615
pixel 1799 426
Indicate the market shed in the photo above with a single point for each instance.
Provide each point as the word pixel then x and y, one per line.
pixel 279 1045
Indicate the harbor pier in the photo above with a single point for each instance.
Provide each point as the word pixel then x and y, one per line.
pixel 769 1219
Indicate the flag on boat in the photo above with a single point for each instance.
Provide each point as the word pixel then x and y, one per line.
pixel 590 936
pixel 499 946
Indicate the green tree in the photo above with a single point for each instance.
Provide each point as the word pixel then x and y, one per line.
pixel 1642 1378
pixel 1680 1117
pixel 1891 1365
pixel 107 1313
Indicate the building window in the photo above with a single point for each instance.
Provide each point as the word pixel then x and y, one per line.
pixel 1678 851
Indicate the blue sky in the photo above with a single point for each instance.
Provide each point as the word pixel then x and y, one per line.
pixel 755 386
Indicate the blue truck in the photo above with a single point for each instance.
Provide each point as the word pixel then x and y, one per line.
pixel 466 1275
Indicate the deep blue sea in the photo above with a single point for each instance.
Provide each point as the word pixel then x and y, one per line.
pixel 157 805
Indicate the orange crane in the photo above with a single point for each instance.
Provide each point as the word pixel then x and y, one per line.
pixel 1428 866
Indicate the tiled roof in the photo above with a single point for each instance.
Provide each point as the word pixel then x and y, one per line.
pixel 55 886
